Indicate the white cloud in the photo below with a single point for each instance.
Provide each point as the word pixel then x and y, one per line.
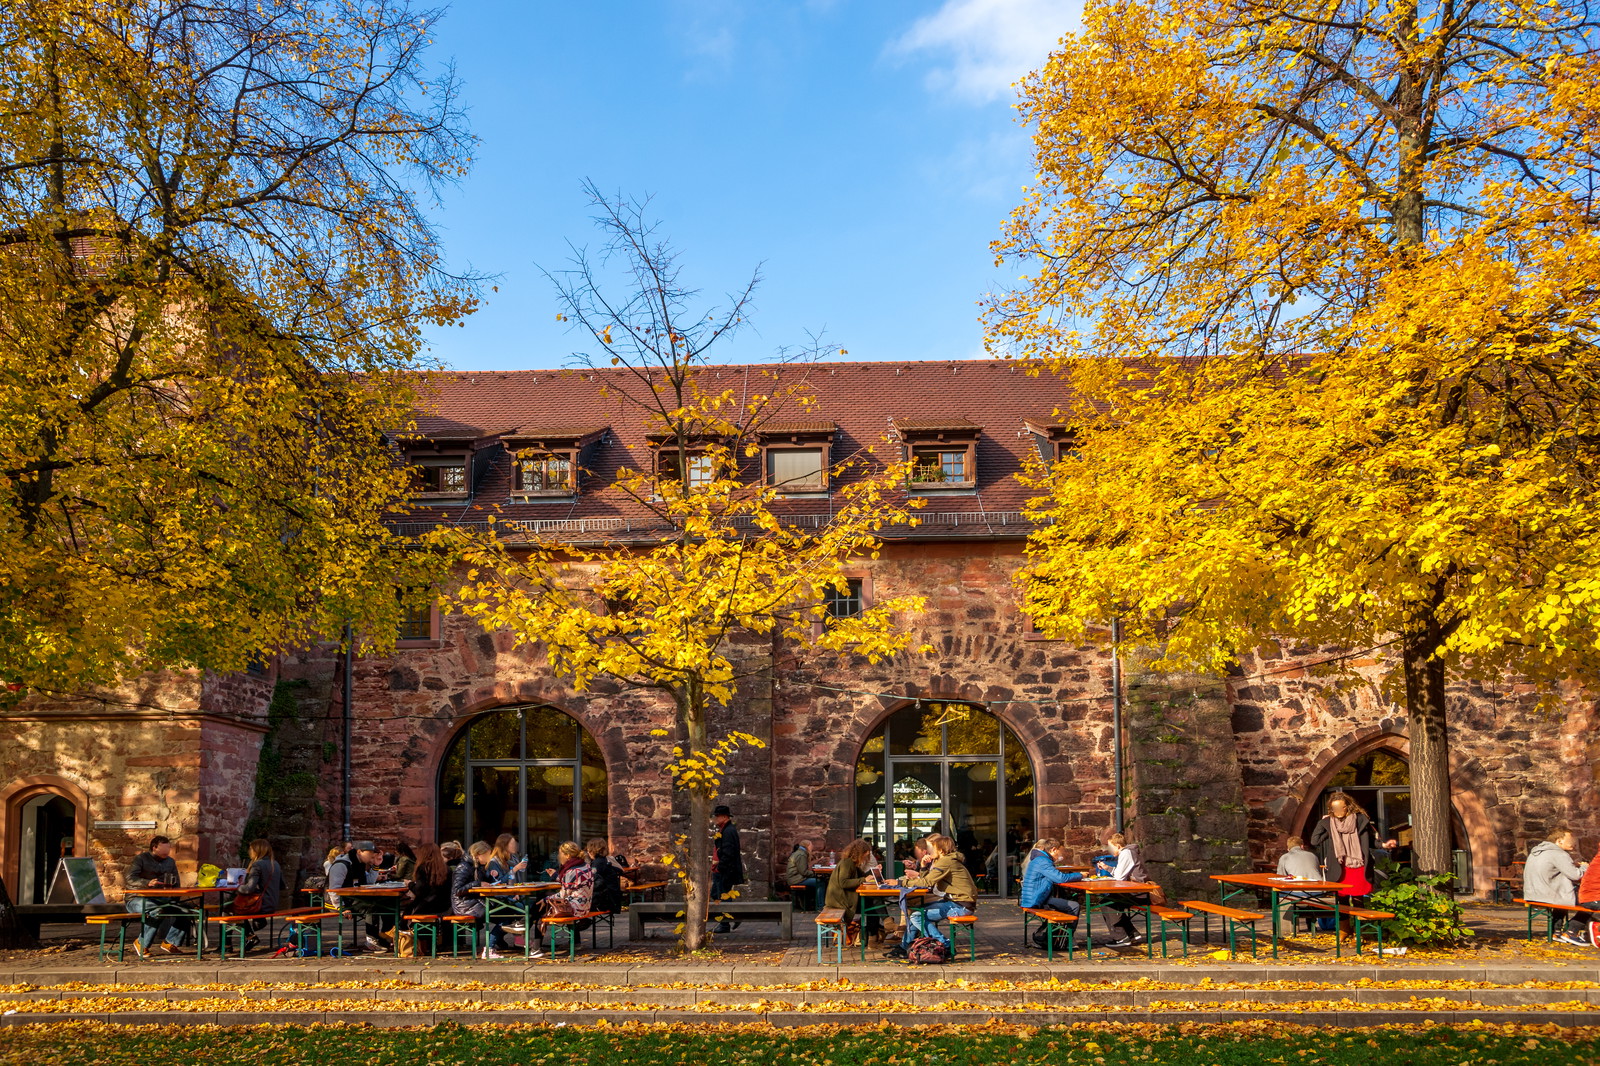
pixel 984 46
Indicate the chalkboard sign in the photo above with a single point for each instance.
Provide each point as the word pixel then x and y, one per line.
pixel 76 881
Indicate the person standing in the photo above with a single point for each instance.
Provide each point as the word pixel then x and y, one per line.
pixel 155 868
pixel 1550 876
pixel 1346 844
pixel 727 864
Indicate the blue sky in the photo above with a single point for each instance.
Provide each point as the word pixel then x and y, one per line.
pixel 865 152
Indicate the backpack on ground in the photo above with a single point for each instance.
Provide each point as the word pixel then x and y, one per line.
pixel 928 951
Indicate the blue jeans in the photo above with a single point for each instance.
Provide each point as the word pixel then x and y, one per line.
pixel 936 912
pixel 176 929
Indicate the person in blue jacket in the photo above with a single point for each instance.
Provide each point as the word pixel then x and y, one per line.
pixel 1041 879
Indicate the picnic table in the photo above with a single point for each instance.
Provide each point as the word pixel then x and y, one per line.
pixel 189 903
pixel 885 893
pixel 1106 886
pixel 1275 884
pixel 515 901
pixel 394 895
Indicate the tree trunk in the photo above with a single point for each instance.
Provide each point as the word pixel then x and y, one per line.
pixel 697 889
pixel 1430 753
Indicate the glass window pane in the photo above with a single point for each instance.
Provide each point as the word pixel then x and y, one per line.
pixel 914 730
pixel 872 817
pixel 973 805
pixel 550 802
pixel 494 802
pixel 551 734
pixel 918 807
pixel 1020 821
pixel 970 730
pixel 795 468
pixel 453 792
pixel 497 735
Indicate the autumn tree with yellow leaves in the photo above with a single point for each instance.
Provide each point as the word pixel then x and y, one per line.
pixel 214 266
pixel 674 606
pixel 1324 275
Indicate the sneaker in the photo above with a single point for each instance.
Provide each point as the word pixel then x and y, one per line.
pixel 516 927
pixel 374 945
pixel 491 953
pixel 896 952
pixel 251 941
pixel 168 949
pixel 536 954
pixel 1125 942
pixel 1568 938
pixel 140 950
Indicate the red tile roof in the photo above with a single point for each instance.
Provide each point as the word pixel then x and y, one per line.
pixel 864 401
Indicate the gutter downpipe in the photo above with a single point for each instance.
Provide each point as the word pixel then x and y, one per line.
pixel 1116 716
pixel 349 696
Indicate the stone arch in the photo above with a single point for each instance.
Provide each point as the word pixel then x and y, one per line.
pixel 17 795
pixel 1470 797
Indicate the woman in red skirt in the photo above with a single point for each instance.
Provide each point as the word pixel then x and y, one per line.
pixel 1346 842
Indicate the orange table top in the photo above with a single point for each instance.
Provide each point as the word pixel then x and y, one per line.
pixel 514 890
pixel 887 890
pixel 174 892
pixel 1109 885
pixel 367 890
pixel 1274 881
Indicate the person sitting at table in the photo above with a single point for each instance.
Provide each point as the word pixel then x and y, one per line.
pixel 1550 876
pixel 506 866
pixel 1129 867
pixel 575 897
pixel 1041 877
pixel 333 853
pixel 855 865
pixel 429 886
pixel 453 853
pixel 472 871
pixel 607 878
pixel 948 874
pixel 354 869
pixel 404 863
pixel 1347 844
pixel 263 879
pixel 1301 863
pixel 797 871
pixel 155 868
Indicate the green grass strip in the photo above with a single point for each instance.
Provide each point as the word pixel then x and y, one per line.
pixel 1195 1044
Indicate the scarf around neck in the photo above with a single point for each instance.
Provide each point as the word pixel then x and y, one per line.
pixel 1346 841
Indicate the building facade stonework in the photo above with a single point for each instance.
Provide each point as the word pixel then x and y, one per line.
pixel 1216 771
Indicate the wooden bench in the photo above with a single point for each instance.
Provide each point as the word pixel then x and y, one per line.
pixel 744 910
pixel 1507 887
pixel 1232 919
pixel 1051 919
pixel 309 921
pixel 831 923
pixel 1550 910
pixel 1163 915
pixel 647 888
pixel 238 925
pixel 105 922
pixel 430 926
pixel 1360 915
pixel 595 918
pixel 968 923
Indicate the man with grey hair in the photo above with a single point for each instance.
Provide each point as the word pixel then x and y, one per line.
pixel 798 873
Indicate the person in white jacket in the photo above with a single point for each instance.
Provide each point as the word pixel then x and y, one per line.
pixel 1550 876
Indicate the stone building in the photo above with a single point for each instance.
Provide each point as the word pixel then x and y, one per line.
pixel 997 735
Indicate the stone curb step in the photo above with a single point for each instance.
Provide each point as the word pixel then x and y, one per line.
pixel 944 998
pixel 507 972
pixel 788 1019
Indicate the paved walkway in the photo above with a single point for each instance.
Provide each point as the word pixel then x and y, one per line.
pixel 754 977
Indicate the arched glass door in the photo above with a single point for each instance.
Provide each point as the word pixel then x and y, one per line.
pixel 533 772
pixel 952 768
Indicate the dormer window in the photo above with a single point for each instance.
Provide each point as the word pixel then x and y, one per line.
pixel 547 463
pixel 1054 439
pixel 549 473
pixel 702 469
pixel 440 477
pixel 796 456
pixel 943 452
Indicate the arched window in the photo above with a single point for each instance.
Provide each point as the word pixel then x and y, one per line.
pixel 948 767
pixel 534 772
pixel 1380 783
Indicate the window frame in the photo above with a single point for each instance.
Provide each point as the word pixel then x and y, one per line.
pixel 820 625
pixel 665 456
pixel 429 641
pixel 969 462
pixel 824 470
pixel 462 462
pixel 544 454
